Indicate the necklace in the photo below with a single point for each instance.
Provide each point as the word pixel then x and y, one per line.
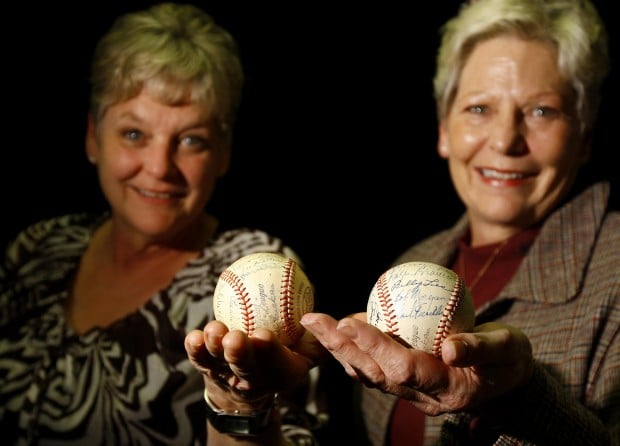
pixel 486 265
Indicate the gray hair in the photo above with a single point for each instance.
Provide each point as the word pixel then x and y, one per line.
pixel 574 27
pixel 174 51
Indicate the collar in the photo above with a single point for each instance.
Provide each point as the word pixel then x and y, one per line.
pixel 556 264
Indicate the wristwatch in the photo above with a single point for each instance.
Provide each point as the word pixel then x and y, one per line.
pixel 247 424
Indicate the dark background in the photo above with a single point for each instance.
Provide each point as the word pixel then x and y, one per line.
pixel 335 144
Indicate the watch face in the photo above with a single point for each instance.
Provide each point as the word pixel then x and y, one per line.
pixel 237 424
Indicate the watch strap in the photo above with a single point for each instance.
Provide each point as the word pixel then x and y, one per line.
pixel 238 423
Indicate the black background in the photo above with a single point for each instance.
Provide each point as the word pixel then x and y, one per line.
pixel 335 144
pixel 334 149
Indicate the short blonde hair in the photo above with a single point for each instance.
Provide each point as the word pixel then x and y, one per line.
pixel 572 26
pixel 175 51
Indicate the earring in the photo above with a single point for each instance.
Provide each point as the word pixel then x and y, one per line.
pixel 92 159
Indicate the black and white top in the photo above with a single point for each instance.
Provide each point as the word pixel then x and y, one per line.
pixel 129 383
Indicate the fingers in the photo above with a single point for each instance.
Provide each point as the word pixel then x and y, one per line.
pixel 357 344
pixel 247 369
pixel 499 355
pixel 367 338
pixel 491 344
pixel 366 353
pixel 475 367
pixel 247 356
pixel 327 331
pixel 311 349
pixel 194 341
pixel 454 352
pixel 195 348
pixel 324 329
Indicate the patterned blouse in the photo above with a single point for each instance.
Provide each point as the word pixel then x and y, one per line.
pixel 129 383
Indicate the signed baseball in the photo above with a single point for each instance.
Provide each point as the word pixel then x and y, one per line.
pixel 421 303
pixel 264 290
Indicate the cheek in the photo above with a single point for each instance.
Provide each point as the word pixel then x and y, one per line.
pixel 558 149
pixel 201 174
pixel 464 141
pixel 119 165
pixel 470 139
pixel 202 183
pixel 124 166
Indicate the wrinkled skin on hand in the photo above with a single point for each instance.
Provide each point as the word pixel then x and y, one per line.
pixel 250 368
pixel 475 368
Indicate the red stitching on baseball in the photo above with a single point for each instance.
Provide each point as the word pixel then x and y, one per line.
pixel 287 307
pixel 447 317
pixel 387 307
pixel 245 304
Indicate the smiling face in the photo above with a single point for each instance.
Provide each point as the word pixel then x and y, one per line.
pixel 510 137
pixel 157 164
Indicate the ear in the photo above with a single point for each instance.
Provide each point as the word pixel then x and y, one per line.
pixel 442 143
pixel 91 143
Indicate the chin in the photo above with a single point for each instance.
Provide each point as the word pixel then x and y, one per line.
pixel 503 212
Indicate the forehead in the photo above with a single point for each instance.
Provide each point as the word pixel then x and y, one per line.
pixel 146 109
pixel 510 61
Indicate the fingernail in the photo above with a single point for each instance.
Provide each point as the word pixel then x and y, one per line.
pixel 454 351
pixel 306 320
pixel 194 341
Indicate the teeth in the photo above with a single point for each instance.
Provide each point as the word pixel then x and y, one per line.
pixel 155 194
pixel 501 176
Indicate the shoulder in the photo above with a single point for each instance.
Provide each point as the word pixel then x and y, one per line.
pixel 239 242
pixel 47 233
pixel 229 245
pixel 45 250
pixel 606 254
pixel 592 219
pixel 58 224
pixel 610 229
pixel 200 276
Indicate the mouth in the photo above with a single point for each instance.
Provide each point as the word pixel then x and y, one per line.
pixel 158 195
pixel 505 176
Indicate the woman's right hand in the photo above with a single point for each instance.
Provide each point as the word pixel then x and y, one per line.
pixel 475 369
pixel 242 371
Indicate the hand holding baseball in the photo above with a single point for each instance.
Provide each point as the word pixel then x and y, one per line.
pixel 264 290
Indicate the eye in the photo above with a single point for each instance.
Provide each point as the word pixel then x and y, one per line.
pixel 477 109
pixel 133 135
pixel 542 115
pixel 195 143
pixel 543 112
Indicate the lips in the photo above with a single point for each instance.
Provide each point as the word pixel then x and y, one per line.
pixel 506 176
pixel 159 194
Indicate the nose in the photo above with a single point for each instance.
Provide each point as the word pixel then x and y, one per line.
pixel 159 160
pixel 507 133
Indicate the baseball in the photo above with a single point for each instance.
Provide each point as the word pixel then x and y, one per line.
pixel 264 290
pixel 421 303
